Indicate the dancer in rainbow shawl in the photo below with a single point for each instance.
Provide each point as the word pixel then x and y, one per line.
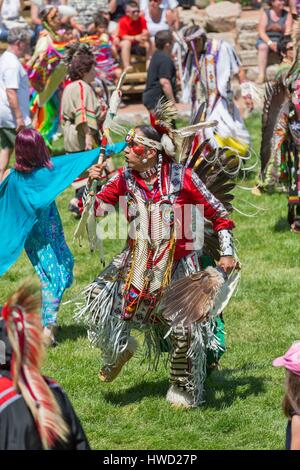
pixel 29 217
pixel 47 71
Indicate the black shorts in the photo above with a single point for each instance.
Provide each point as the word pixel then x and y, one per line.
pixel 136 49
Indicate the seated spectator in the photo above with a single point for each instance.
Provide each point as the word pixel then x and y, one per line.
pixel 35 412
pixel 133 33
pixel 158 17
pixel 112 25
pixel 168 6
pixel 285 49
pixel 117 9
pixel 161 80
pixel 10 17
pixel 273 23
pixel 295 27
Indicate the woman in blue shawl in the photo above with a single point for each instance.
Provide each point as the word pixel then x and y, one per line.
pixel 29 217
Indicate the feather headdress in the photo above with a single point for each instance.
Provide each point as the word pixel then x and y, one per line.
pixel 174 141
pixel 22 318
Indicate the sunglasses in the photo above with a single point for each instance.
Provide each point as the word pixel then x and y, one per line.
pixel 135 11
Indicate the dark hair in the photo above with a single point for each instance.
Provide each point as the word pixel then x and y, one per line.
pixel 150 132
pixel 132 4
pixel 162 38
pixel 44 12
pixel 282 44
pixel 101 21
pixel 81 64
pixel 291 400
pixel 31 151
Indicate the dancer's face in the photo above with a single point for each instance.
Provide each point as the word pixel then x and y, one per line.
pixel 54 18
pixel 135 153
pixel 197 45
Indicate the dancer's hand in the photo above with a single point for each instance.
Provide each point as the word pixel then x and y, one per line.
pixel 227 263
pixel 95 172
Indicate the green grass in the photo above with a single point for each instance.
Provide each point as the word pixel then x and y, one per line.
pixel 243 398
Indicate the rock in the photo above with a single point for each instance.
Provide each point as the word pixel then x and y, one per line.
pixel 186 17
pixel 271 72
pixel 201 3
pixel 248 58
pixel 252 73
pixel 247 40
pixel 246 25
pixel 221 17
pixel 228 37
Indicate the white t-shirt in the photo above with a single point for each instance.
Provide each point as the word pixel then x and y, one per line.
pixel 10 9
pixel 13 75
pixel 154 27
pixel 165 4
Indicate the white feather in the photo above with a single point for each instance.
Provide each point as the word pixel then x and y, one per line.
pixel 168 145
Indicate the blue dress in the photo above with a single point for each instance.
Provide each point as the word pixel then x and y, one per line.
pixel 52 260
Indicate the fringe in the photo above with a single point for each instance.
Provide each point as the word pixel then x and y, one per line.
pixel 203 338
pixel 154 345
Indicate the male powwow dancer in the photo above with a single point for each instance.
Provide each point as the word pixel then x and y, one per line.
pixel 280 143
pixel 208 68
pixel 158 265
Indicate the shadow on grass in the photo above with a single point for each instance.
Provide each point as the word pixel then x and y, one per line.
pixel 137 392
pixel 222 389
pixel 72 332
pixel 282 225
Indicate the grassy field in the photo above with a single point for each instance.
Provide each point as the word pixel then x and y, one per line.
pixel 243 397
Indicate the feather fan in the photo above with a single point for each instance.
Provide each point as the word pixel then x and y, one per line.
pixel 191 298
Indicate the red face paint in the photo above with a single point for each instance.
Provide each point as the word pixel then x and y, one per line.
pixel 138 149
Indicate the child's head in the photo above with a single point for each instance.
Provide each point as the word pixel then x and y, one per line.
pixel 285 47
pixel 291 362
pixel 31 151
pixel 68 34
pixel 101 24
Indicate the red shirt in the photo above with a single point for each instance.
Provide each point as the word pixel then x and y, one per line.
pixel 193 191
pixel 128 27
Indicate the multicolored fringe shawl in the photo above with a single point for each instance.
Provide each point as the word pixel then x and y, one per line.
pixel 46 118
